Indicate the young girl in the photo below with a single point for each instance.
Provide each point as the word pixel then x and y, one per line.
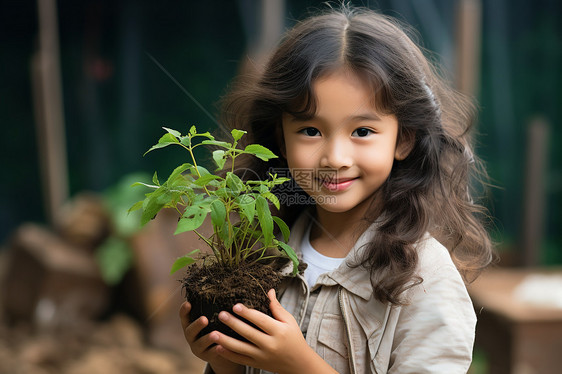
pixel 380 144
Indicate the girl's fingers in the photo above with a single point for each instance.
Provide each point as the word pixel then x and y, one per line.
pixel 233 356
pixel 201 346
pixel 234 349
pixel 279 313
pixel 242 328
pixel 261 320
pixel 193 329
pixel 184 314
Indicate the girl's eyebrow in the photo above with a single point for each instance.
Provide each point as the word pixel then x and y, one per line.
pixel 368 116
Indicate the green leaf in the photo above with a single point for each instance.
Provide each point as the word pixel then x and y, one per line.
pixel 206 135
pixel 271 197
pixel 155 179
pixel 201 171
pixel 218 143
pixel 247 204
pixel 218 212
pixel 153 203
pixel 183 261
pixel 223 232
pixel 175 133
pixel 279 180
pixel 135 206
pixel 237 134
pixel 177 171
pixel 291 254
pixel 261 188
pixel 282 180
pixel 114 258
pixel 225 193
pixel 193 130
pixel 218 156
pixel 119 198
pixel 164 141
pixel 265 219
pixel 234 183
pixel 259 151
pixel 283 227
pixel 186 140
pixel 144 185
pixel 205 179
pixel 215 183
pixel 192 218
pixel 168 138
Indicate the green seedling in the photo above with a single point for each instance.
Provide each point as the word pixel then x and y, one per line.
pixel 243 226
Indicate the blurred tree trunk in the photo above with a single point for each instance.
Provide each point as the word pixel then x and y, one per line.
pixel 49 113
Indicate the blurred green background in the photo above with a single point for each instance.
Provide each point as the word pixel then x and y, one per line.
pixel 117 58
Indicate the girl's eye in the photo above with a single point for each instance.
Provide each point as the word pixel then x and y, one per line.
pixel 310 131
pixel 362 132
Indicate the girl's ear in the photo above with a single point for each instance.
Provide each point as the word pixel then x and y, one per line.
pixel 405 145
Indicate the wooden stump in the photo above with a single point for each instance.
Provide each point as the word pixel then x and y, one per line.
pixel 50 282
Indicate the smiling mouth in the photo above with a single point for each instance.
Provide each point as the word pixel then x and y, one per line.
pixel 337 184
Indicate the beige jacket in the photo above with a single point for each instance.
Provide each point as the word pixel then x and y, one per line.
pixel 355 333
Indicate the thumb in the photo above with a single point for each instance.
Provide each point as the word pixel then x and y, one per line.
pixel 277 310
pixel 184 314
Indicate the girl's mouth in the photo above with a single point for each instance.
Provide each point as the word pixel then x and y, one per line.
pixel 337 184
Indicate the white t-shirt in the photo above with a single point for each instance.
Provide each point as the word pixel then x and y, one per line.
pixel 318 264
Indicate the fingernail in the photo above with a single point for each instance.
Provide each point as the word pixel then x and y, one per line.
pixel 223 316
pixel 237 308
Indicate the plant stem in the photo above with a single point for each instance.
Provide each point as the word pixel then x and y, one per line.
pixel 268 257
pixel 230 233
pixel 209 243
pixel 246 229
pixel 190 150
pixel 249 249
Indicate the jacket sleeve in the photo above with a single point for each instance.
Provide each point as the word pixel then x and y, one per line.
pixel 435 330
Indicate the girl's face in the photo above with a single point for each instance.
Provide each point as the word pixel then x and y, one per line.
pixel 344 153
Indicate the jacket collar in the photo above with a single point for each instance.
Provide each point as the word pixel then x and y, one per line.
pixel 354 279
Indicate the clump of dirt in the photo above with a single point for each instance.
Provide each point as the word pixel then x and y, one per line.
pixel 214 288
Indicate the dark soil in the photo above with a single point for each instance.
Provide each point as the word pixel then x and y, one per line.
pixel 215 288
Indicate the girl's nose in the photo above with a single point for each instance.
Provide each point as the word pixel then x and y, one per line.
pixel 336 153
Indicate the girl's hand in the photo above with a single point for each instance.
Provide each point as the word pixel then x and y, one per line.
pixel 280 347
pixel 201 347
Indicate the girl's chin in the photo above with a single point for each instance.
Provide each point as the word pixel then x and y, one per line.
pixel 335 204
pixel 333 207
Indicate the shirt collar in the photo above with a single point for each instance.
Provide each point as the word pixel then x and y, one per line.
pixel 355 280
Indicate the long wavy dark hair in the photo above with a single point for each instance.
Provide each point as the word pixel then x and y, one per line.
pixel 428 191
